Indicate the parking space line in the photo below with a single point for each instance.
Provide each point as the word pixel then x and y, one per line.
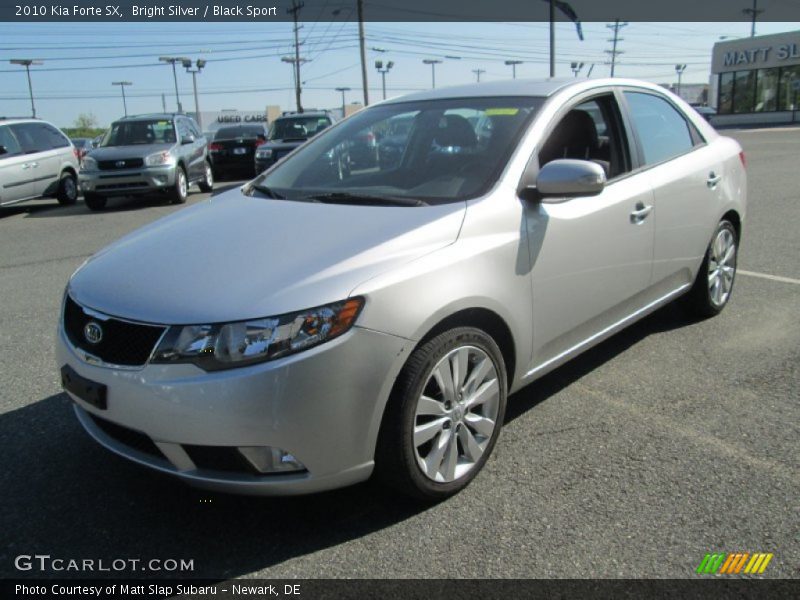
pixel 768 276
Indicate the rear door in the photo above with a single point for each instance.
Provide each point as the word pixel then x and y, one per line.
pixel 686 175
pixel 42 164
pixel 16 179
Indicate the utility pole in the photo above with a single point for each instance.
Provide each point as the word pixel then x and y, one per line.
pixel 478 73
pixel 343 90
pixel 164 101
pixel 363 50
pixel 753 12
pixel 513 64
pixel 552 38
pixel 187 64
pixel 679 69
pixel 27 62
pixel 122 85
pixel 172 60
pixel 432 62
pixel 615 40
pixel 383 71
pixel 294 11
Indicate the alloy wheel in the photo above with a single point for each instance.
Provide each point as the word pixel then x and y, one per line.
pixel 721 267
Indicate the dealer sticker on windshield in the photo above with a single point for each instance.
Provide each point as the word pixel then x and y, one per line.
pixel 491 112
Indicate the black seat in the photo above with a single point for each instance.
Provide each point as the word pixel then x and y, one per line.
pixel 574 137
pixel 455 131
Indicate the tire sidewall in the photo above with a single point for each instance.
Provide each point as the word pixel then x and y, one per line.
pixel 66 182
pixel 711 307
pixel 439 347
pixel 178 196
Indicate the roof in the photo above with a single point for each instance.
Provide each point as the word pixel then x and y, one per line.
pixel 517 87
pixel 151 116
pixel 305 113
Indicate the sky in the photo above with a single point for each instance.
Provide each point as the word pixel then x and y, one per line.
pixel 244 69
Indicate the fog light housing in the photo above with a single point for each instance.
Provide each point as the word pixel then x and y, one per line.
pixel 266 459
pixel 161 178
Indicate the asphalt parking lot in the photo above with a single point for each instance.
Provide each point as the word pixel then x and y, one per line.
pixel 670 440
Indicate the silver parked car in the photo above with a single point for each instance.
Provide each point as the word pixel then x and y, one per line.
pixel 144 154
pixel 316 327
pixel 36 161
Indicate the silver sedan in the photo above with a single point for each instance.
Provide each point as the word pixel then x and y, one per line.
pixel 331 321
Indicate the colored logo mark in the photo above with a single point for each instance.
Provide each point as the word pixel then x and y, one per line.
pixel 734 563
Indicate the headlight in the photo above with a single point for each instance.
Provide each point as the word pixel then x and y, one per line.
pixel 159 158
pixel 264 153
pixel 88 164
pixel 228 345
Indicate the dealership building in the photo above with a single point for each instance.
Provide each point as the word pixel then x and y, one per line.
pixel 756 80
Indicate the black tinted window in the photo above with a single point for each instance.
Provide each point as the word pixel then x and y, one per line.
pixel 32 137
pixel 249 131
pixel 9 142
pixel 663 131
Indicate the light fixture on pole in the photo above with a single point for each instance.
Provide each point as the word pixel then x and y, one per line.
pixel 679 69
pixel 173 60
pixel 383 70
pixel 576 67
pixel 513 64
pixel 343 90
pixel 199 64
pixel 432 62
pixel 27 62
pixel 122 85
pixel 478 73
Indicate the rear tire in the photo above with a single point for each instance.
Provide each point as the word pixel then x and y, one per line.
pixel 94 201
pixel 435 437
pixel 180 190
pixel 67 189
pixel 713 285
pixel 207 183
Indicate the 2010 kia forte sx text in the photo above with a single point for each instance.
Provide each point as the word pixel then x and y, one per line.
pixel 336 318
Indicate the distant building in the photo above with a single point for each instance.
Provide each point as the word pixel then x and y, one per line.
pixel 213 120
pixel 756 80
pixel 693 93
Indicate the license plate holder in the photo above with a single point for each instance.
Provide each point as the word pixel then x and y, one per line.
pixel 87 390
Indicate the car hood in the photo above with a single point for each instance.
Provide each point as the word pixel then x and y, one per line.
pixel 236 257
pixel 132 151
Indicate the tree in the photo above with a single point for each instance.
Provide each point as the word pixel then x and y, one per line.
pixel 86 121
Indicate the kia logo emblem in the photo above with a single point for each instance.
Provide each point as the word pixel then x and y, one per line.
pixel 93 333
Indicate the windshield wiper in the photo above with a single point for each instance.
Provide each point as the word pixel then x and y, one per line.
pixel 268 192
pixel 368 199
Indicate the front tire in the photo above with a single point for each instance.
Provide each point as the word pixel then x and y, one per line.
pixel 444 415
pixel 713 285
pixel 207 183
pixel 95 202
pixel 67 189
pixel 180 191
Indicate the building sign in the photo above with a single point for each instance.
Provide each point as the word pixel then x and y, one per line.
pixel 757 53
pixel 258 118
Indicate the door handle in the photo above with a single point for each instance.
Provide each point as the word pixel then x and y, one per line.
pixel 713 180
pixel 34 164
pixel 640 212
pixel 26 166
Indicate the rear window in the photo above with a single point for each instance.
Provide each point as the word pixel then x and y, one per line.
pixel 298 127
pixel 250 131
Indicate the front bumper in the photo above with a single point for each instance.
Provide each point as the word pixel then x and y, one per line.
pixel 125 182
pixel 323 406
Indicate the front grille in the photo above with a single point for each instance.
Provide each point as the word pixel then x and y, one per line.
pixel 128 437
pixel 122 163
pixel 122 343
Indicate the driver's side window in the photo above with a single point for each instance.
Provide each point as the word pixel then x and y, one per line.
pixel 592 131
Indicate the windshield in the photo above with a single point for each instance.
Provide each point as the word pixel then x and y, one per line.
pixel 131 133
pixel 297 128
pixel 436 151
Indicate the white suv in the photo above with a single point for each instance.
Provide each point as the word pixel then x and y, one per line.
pixel 36 161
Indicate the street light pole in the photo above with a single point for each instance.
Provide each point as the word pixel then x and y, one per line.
pixel 432 62
pixel 122 85
pixel 514 64
pixel 27 62
pixel 172 60
pixel 576 67
pixel 383 71
pixel 199 64
pixel 679 69
pixel 343 90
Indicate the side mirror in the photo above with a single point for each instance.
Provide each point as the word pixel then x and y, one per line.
pixel 567 178
pixel 187 139
pixel 3 150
